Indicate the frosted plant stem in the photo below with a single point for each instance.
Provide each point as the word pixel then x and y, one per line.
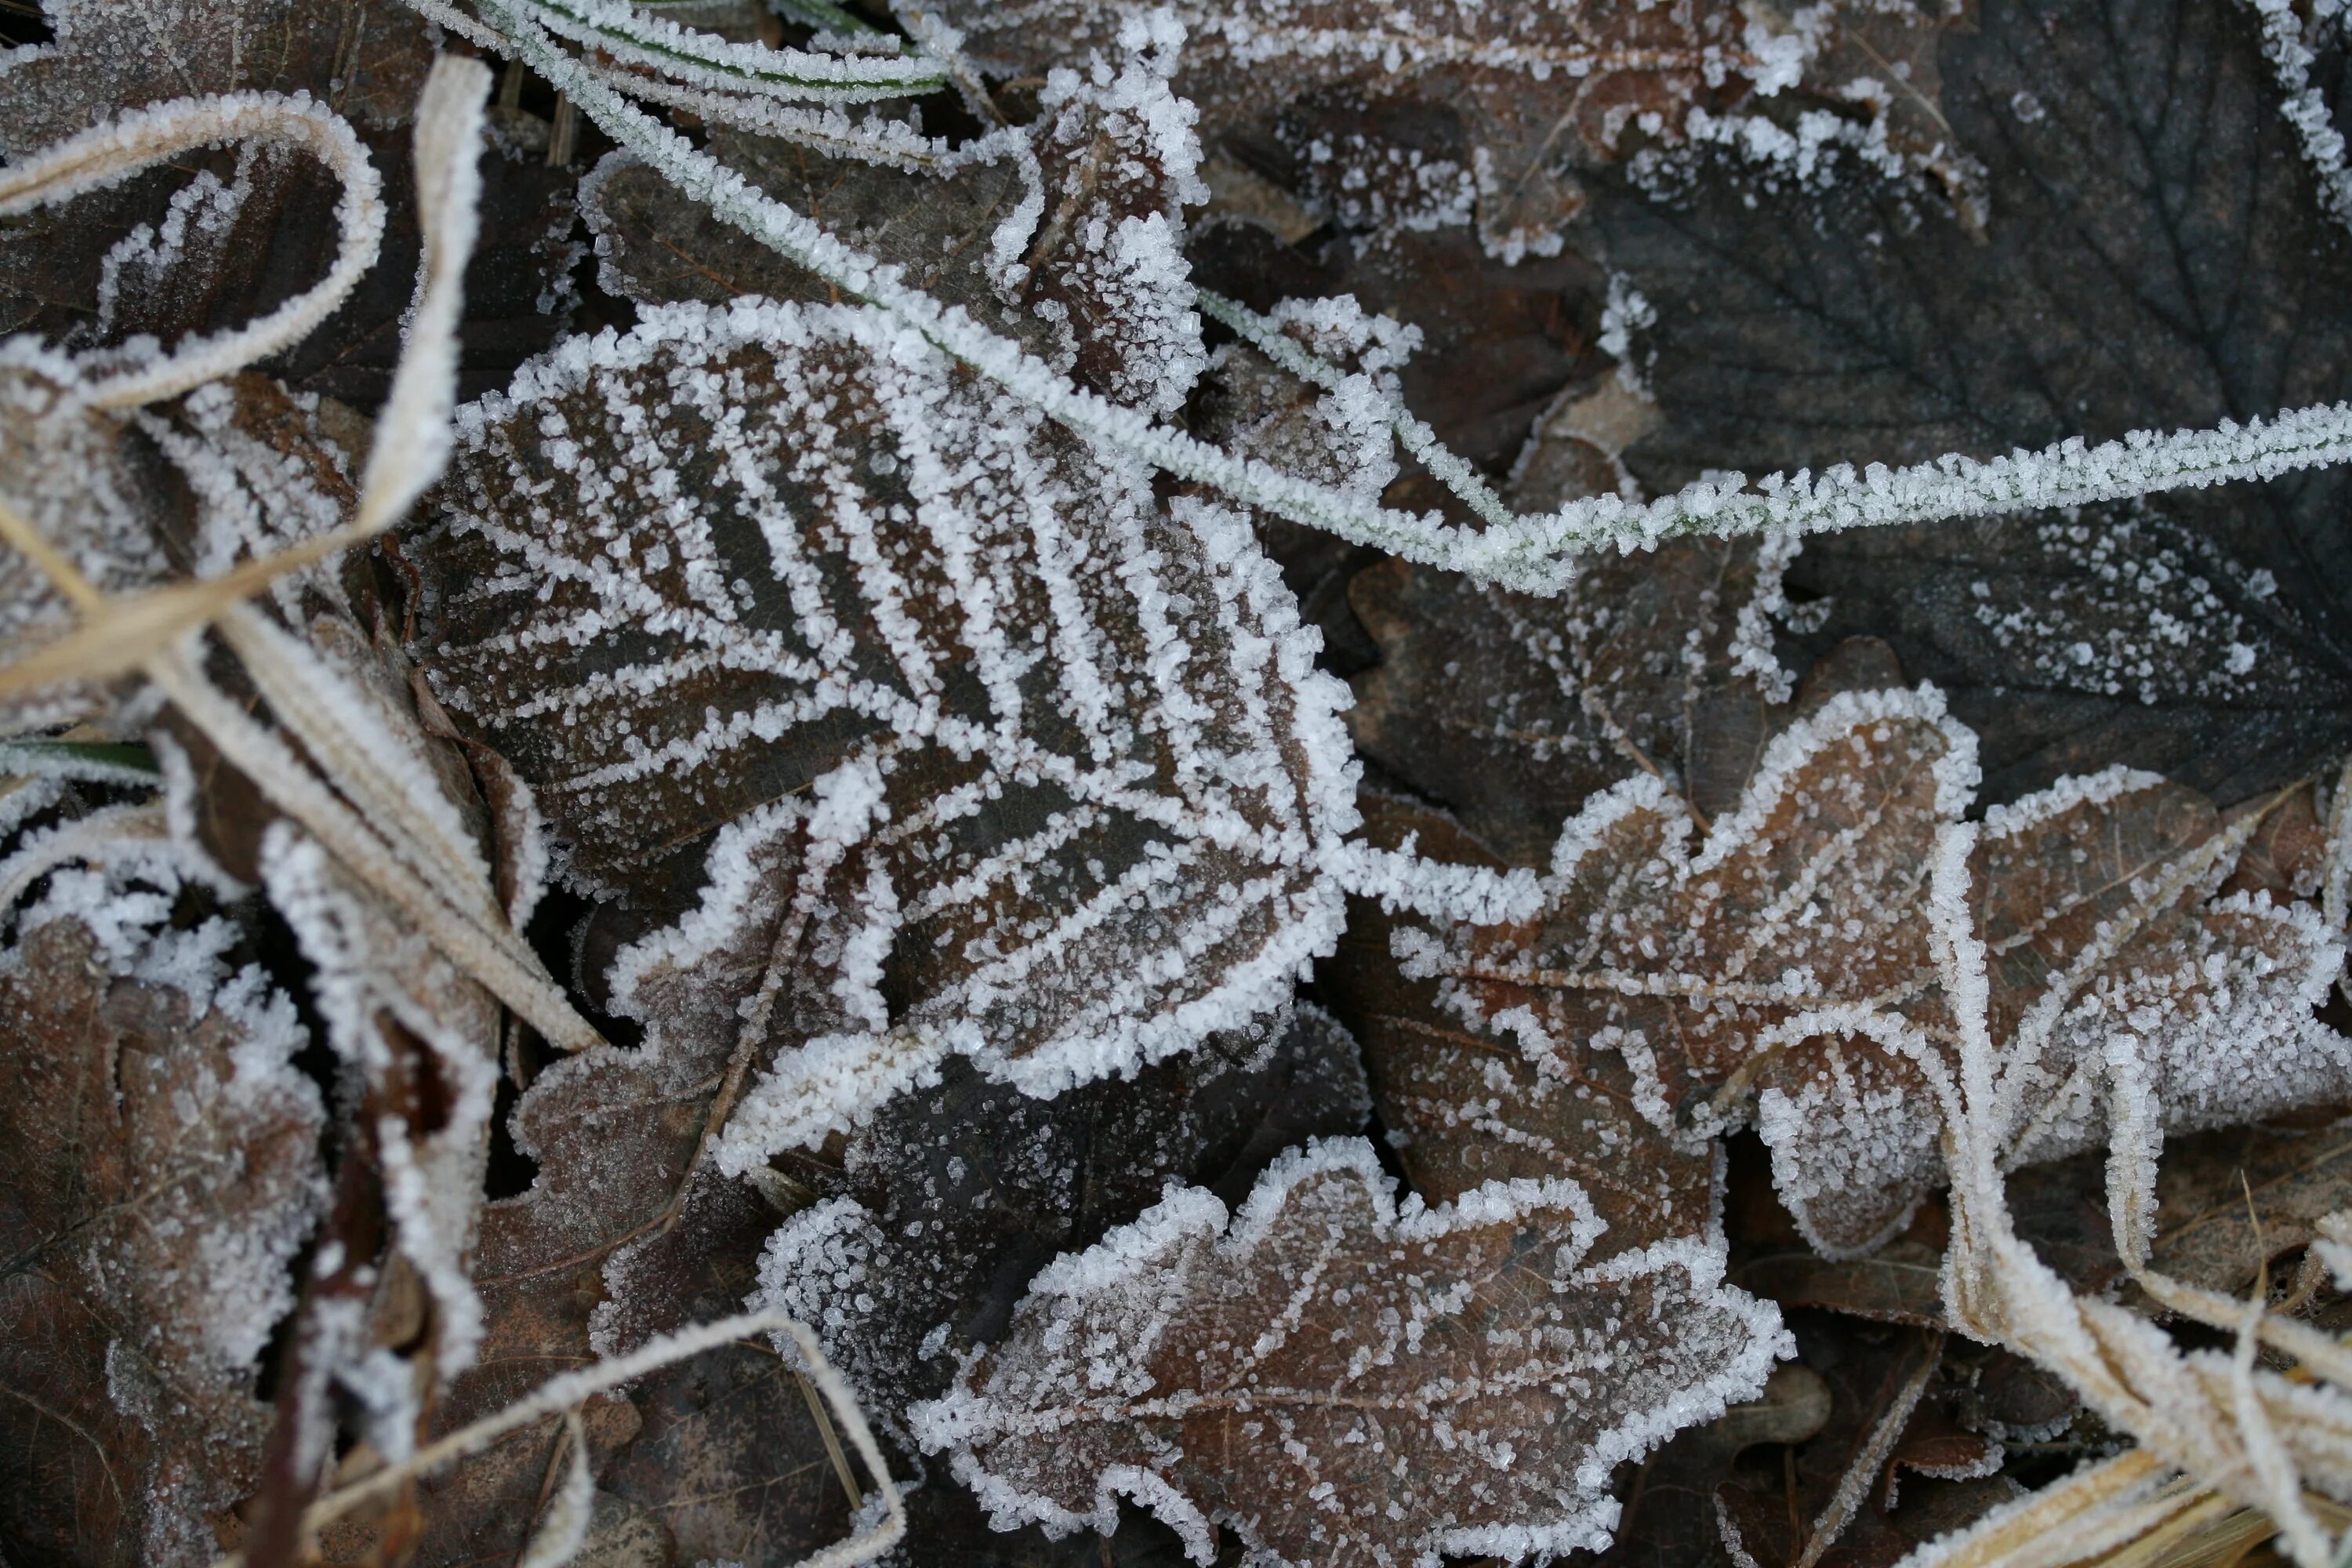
pixel 558 1540
pixel 1416 438
pixel 282 671
pixel 411 435
pixel 83 839
pixel 476 948
pixel 110 152
pixel 2336 884
pixel 2303 108
pixel 705 59
pixel 1534 553
pixel 571 1389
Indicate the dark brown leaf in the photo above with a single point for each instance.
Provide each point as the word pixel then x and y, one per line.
pixel 2155 255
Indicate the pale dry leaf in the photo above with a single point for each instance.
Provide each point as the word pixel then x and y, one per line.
pixel 1341 1381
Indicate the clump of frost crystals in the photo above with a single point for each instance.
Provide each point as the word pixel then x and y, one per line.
pixel 1001 756
pixel 1344 1380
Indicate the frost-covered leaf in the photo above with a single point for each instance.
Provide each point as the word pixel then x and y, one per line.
pixel 1513 709
pixel 1341 1381
pixel 1011 762
pixel 1463 1109
pixel 1413 116
pixel 1770 955
pixel 951 1198
pixel 1066 235
pixel 2100 891
pixel 2154 254
pixel 161 1170
pixel 109 55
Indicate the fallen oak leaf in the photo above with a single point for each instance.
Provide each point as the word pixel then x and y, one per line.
pixel 1769 960
pixel 1341 1381
pixel 951 1199
pixel 1463 1109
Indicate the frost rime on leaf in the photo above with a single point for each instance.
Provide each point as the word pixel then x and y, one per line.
pixel 1466 1105
pixel 162 1170
pixel 1344 1382
pixel 1514 710
pixel 1027 766
pixel 1783 953
pixel 1066 235
pixel 948 1198
pixel 71 473
pixel 1539 87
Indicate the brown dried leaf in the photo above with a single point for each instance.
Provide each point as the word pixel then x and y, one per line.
pixel 1395 117
pixel 1342 1382
pixel 1768 958
pixel 161 1170
pixel 951 1199
pixel 1462 1109
pixel 1902 1282
pixel 1514 710
pixel 366 61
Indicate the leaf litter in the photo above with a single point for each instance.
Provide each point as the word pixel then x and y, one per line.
pixel 830 789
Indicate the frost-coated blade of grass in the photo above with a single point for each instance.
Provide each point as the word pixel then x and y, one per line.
pixel 113 152
pixel 704 59
pixel 2244 1430
pixel 1530 553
